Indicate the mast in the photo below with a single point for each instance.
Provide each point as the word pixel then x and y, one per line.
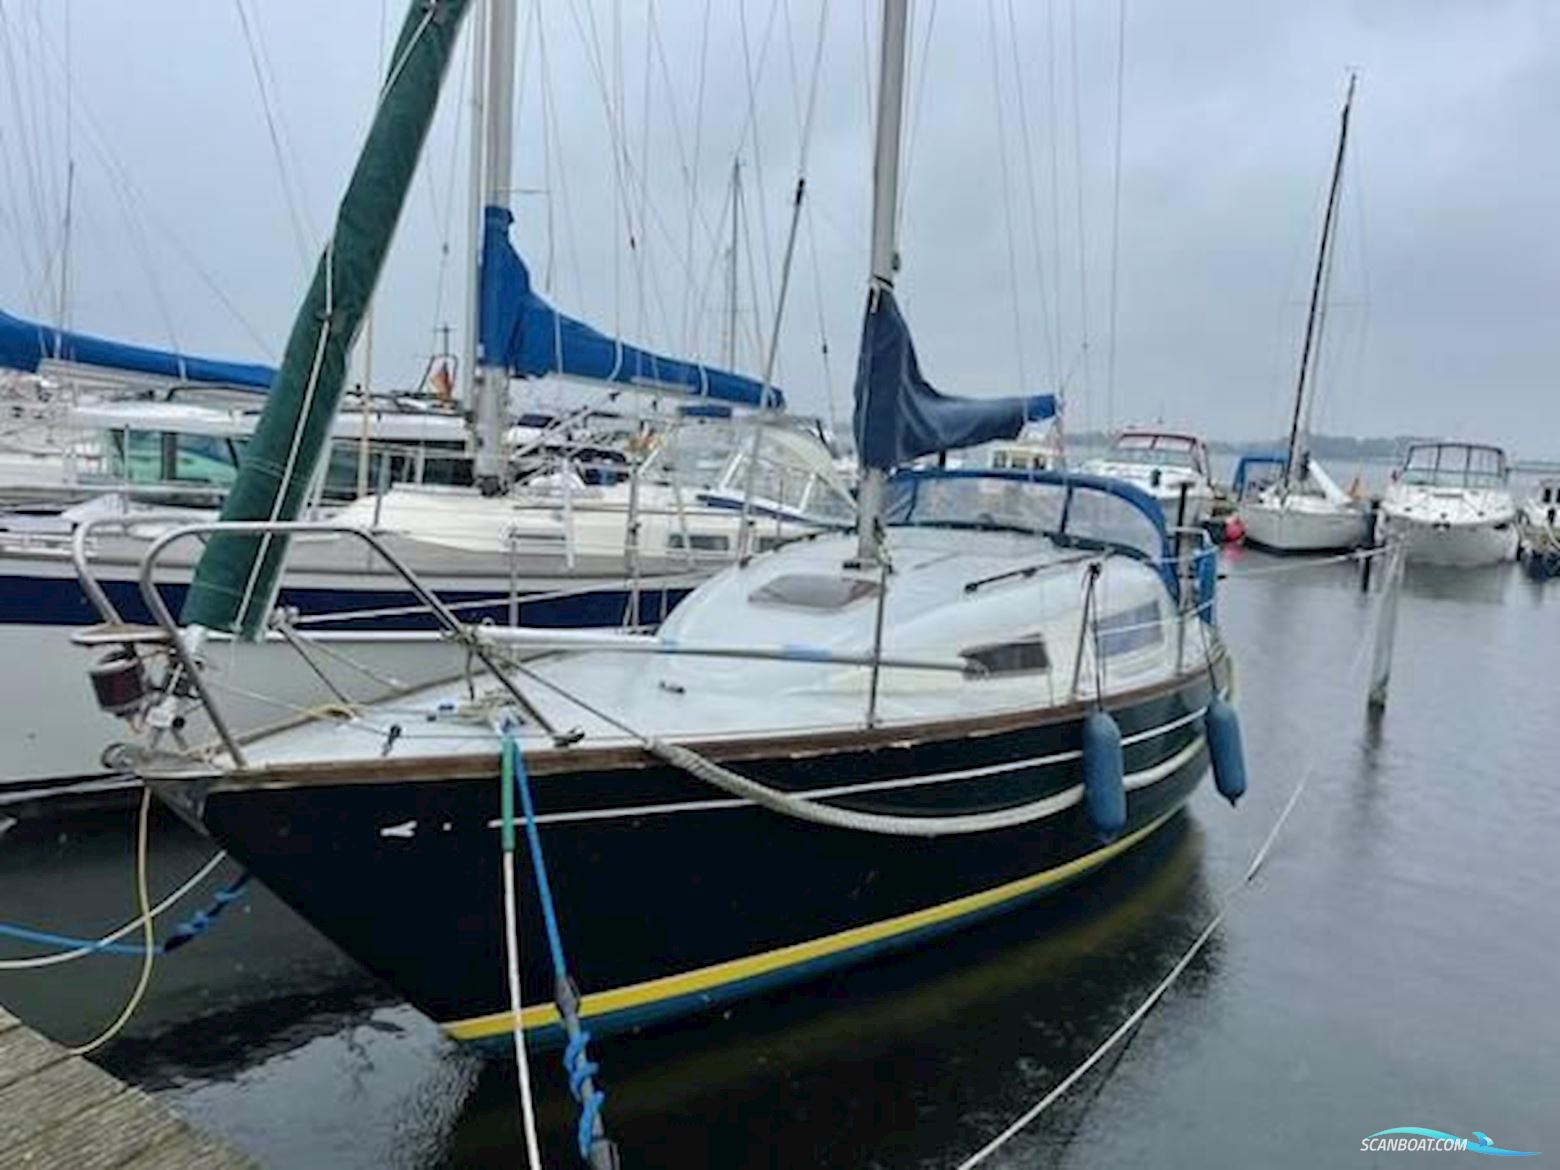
pixel 731 269
pixel 478 99
pixel 1313 335
pixel 885 257
pixel 490 383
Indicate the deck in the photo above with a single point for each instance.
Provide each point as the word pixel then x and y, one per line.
pixel 59 1110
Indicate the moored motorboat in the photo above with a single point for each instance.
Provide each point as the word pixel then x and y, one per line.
pixel 1450 505
pixel 1170 466
pixel 1539 519
pixel 1539 523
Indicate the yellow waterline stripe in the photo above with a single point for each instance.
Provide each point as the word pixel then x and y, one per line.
pixel 752 966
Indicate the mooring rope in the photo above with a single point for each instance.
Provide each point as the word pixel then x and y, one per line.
pixel 594 1145
pixel 144 905
pixel 81 948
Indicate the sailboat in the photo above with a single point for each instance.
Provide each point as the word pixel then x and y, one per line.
pixel 1304 510
pixel 999 682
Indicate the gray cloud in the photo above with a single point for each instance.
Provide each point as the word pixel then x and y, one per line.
pixel 1448 269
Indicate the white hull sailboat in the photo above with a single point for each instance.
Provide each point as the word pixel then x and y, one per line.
pixel 1449 505
pixel 1304 510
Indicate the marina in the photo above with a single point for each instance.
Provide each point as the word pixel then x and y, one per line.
pixel 607 748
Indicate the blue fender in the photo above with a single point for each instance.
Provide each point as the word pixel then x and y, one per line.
pixel 1104 790
pixel 1224 749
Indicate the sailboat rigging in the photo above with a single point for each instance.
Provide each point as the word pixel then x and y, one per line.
pixel 1046 691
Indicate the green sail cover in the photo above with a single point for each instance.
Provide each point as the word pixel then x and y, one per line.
pixel 235 581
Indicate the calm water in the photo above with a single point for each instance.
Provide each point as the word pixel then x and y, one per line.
pixel 1392 965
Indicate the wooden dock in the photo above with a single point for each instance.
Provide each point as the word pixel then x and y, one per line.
pixel 58 1110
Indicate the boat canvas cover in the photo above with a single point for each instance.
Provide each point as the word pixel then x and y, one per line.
pixel 900 417
pixel 522 332
pixel 25 345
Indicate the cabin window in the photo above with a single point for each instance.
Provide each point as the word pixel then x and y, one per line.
pixel 1129 630
pixel 698 541
pixel 815 591
pixel 1022 656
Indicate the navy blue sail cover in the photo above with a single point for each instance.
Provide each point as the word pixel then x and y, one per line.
pixel 25 344
pixel 900 417
pixel 523 332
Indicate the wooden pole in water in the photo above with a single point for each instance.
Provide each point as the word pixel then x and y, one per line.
pixel 1373 551
pixel 1386 630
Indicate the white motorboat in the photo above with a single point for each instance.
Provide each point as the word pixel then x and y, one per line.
pixel 1038 447
pixel 1304 510
pixel 1171 466
pixel 1450 505
pixel 1539 519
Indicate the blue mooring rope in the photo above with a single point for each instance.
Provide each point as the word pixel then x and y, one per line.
pixel 576 1057
pixel 201 921
pixel 188 930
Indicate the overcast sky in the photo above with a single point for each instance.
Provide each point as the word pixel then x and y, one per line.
pixel 189 229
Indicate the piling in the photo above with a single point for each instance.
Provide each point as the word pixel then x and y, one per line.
pixel 58 1110
pixel 1386 630
pixel 1376 541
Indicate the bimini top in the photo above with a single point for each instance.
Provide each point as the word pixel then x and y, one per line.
pixel 1252 462
pixel 522 332
pixel 25 345
pixel 1071 508
pixel 1454 465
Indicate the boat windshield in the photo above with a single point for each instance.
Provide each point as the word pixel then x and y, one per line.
pixel 167 457
pixel 693 454
pixel 1156 450
pixel 1073 509
pixel 795 470
pixel 1456 465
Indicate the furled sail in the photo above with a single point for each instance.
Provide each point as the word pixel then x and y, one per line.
pixel 900 417
pixel 25 345
pixel 237 575
pixel 521 331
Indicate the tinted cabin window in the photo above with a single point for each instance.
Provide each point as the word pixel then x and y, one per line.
pixel 813 591
pixel 699 541
pixel 1129 630
pixel 1023 656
